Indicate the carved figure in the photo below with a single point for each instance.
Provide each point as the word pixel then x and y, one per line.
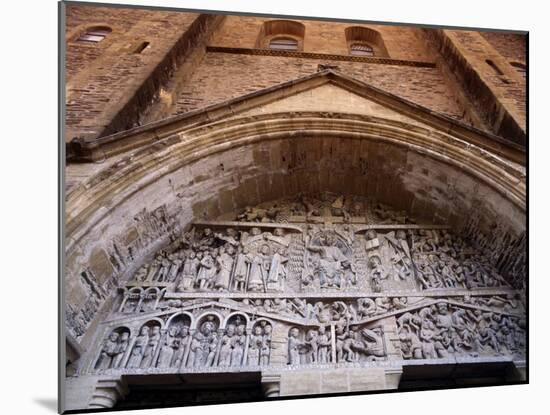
pixel 169 346
pixel 259 270
pixel 329 266
pixel 295 345
pixel 242 267
pixel 108 352
pixel 265 349
pixel 277 271
pixel 255 345
pixel 239 341
pixel 150 349
pixel 313 346
pixel 207 271
pixel 138 350
pixel 189 272
pixel 227 346
pixel 225 263
pixel 323 346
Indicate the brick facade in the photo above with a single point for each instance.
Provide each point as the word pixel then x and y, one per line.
pixel 219 78
pixel 111 88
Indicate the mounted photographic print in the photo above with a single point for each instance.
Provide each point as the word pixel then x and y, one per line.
pixel 271 207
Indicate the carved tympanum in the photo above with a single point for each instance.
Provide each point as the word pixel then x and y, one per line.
pixel 311 280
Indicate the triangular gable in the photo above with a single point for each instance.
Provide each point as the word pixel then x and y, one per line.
pixel 323 92
pixel 208 304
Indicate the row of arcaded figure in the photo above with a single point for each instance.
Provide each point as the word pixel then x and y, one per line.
pixel 178 348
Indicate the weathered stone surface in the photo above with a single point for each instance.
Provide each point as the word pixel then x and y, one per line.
pixel 341 223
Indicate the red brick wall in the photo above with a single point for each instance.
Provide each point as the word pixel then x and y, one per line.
pixel 498 95
pixel 510 45
pixel 111 89
pixel 104 77
pixel 222 76
pixel 79 18
pixel 325 37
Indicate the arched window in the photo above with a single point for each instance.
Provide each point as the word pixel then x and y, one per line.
pixel 520 68
pixel 363 41
pixel 94 34
pixel 361 49
pixel 281 35
pixel 283 43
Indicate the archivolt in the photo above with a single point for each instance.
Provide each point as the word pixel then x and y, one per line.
pixel 94 199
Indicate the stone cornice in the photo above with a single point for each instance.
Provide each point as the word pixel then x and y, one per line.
pixel 320 56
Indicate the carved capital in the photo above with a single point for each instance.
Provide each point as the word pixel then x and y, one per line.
pixel 107 393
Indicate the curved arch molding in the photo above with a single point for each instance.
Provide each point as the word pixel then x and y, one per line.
pixel 213 169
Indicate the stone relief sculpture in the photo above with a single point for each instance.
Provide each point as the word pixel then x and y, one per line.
pixel 439 331
pixel 309 281
pixel 355 343
pixel 139 347
pixel 189 272
pixel 174 343
pixel 328 262
pixel 113 349
pixel 204 344
pixel 309 346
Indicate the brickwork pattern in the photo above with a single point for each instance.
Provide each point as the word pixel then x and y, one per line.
pixel 508 87
pixel 220 77
pixel 101 88
pixel 326 37
pixel 81 54
pixel 104 78
pixel 510 45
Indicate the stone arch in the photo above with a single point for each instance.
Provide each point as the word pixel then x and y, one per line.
pixel 151 297
pixel 131 300
pixel 138 349
pixel 204 316
pixel 152 322
pixel 403 163
pixel 180 315
pixel 357 35
pixel 279 29
pixel 263 319
pixel 232 316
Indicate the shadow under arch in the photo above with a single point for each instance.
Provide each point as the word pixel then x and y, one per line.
pixel 300 132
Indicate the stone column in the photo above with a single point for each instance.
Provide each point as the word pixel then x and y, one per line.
pixel 271 384
pixel 333 343
pixel 246 345
pixel 108 392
